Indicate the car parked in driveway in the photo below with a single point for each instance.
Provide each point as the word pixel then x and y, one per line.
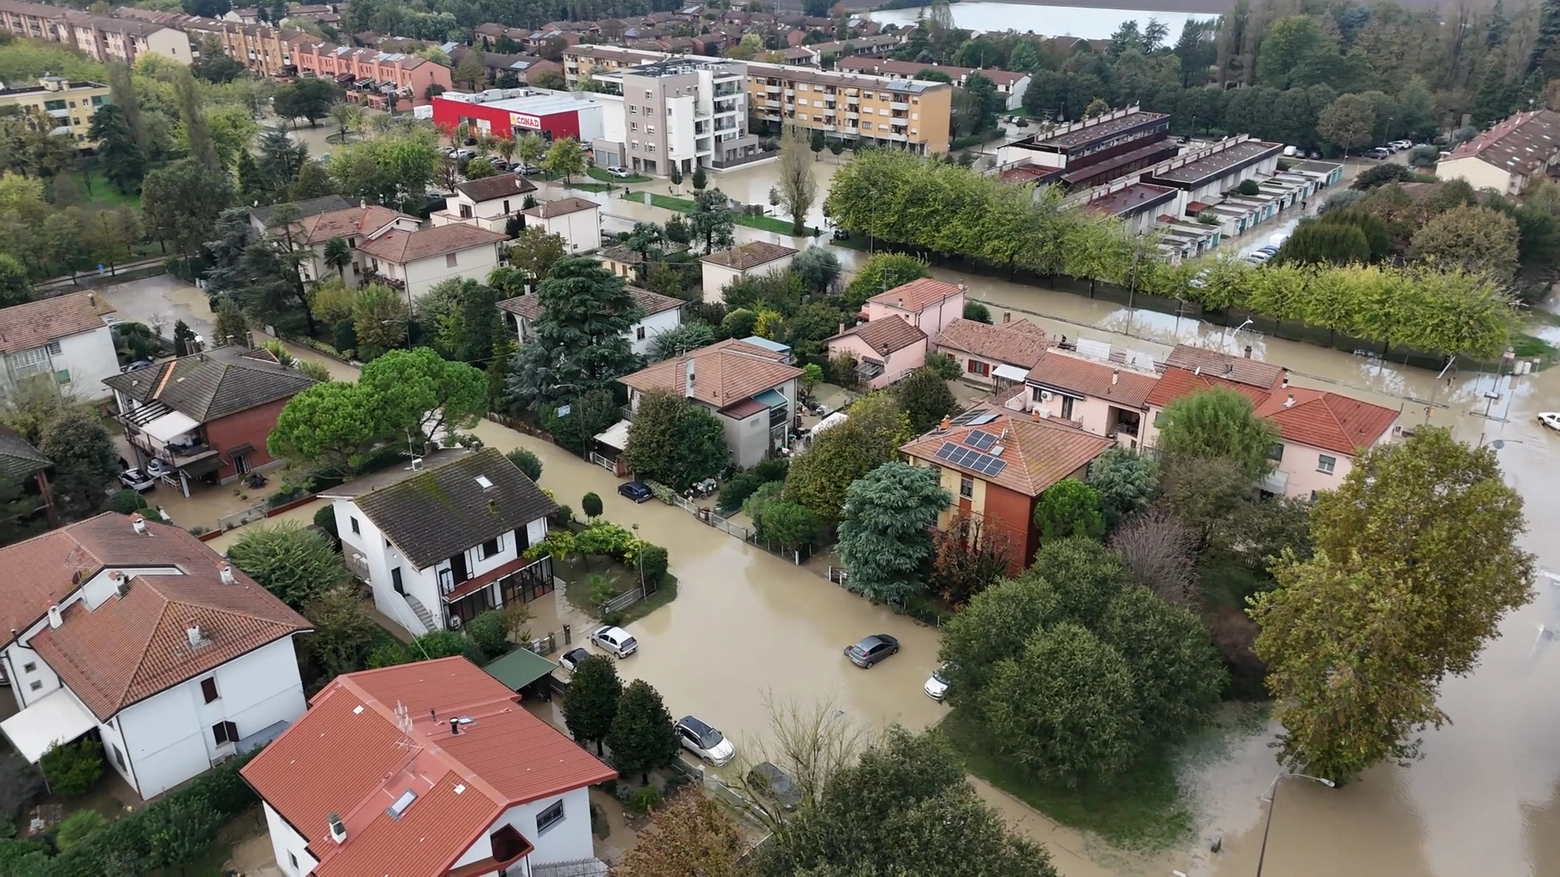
pixel 775 784
pixel 615 641
pixel 621 173
pixel 871 650
pixel 637 491
pixel 137 480
pixel 571 660
pixel 705 741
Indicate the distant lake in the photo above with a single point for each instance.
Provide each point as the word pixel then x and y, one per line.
pixel 1051 21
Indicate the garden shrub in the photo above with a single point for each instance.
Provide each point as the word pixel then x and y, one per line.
pixel 490 631
pixel 74 768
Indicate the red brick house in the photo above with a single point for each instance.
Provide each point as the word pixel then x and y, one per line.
pixel 204 417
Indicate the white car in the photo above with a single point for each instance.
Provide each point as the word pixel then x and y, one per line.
pixel 621 173
pixel 1401 144
pixel 936 687
pixel 157 468
pixel 135 479
pixel 703 740
pixel 1550 419
pixel 615 641
pixel 573 660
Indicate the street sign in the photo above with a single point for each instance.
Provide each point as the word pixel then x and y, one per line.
pixel 563 410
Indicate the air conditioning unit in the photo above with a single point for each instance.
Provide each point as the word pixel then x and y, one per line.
pixel 453 622
pixel 1045 395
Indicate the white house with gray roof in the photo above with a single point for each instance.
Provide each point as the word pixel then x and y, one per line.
pixel 444 537
pixel 659 313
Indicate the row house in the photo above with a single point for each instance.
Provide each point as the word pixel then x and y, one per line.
pixel 100 37
pixel 382 80
pixel 266 51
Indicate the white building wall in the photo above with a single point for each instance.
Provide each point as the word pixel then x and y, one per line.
pixel 285 841
pixel 1478 173
pixel 474 264
pixel 580 230
pixel 381 557
pixel 170 43
pixel 568 840
pixel 644 331
pixel 168 736
pixel 89 357
pixel 679 127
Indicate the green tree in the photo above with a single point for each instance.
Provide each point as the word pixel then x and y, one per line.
pixel 926 399
pixel 674 441
pixel 699 178
pixel 309 99
pixel 818 268
pixel 1348 122
pixel 119 155
pixel 181 201
pixel 642 738
pixel 1125 481
pixel 490 631
pixel 1296 53
pixel 471 73
pixel 885 530
pixel 15 288
pixel 904 806
pixel 580 341
pixel 77 827
pixel 711 220
pixel 680 339
pixel 994 625
pixel 1064 709
pixel 338 255
pixel 534 252
pixel 881 273
pixel 820 478
pixel 589 415
pixel 332 425
pixel 179 829
pixel 797 186
pixel 419 393
pixel 691 834
pixel 1476 239
pixel 1084 575
pixel 74 768
pixel 1069 508
pixel 85 462
pixel 292 562
pixel 344 631
pixel 565 156
pixel 1218 423
pixel 788 525
pixel 1329 243
pixel 1177 673
pixel 590 504
pixel 1427 523
pixel 526 461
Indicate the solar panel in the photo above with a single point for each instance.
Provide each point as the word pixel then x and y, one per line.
pixel 974 418
pixel 946 451
pixel 984 417
pixel 980 439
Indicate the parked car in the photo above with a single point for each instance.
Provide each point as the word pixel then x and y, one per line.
pixel 1380 153
pixel 501 164
pixel 871 650
pixel 775 784
pixel 527 169
pixel 936 687
pixel 621 173
pixel 637 491
pixel 463 154
pixel 704 741
pixel 615 641
pixel 135 479
pixel 1550 419
pixel 1021 123
pixel 572 660
pixel 157 468
pixel 1401 144
pixel 140 363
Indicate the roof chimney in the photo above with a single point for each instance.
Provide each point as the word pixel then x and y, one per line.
pixel 193 634
pixel 1290 401
pixel 226 572
pixel 1035 415
pixel 842 329
pixel 1248 352
pixel 139 523
pixel 1285 384
pixel 1197 371
pixel 688 378
pixel 338 832
pixel 1115 376
pixel 55 618
pixel 455 726
pixel 901 301
pixel 946 422
pixel 1007 316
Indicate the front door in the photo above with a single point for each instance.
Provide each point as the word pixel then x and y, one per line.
pixel 241 463
pixel 458 569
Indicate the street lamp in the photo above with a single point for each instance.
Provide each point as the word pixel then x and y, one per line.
pixel 640 551
pixel 1137 252
pixel 1272 790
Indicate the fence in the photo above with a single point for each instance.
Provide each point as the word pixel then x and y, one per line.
pixel 838 575
pixel 238 519
pixel 603 462
pixel 622 601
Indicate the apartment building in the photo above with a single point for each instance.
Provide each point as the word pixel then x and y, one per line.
pixel 71 105
pixel 382 80
pixel 682 113
pixel 98 36
pixel 872 110
pixel 1010 84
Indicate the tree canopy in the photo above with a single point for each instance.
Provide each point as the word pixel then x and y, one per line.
pixel 885 540
pixel 294 563
pixel 674 442
pixel 1218 423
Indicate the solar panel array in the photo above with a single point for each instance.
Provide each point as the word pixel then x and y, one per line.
pixel 971 459
pixel 980 439
pixel 974 418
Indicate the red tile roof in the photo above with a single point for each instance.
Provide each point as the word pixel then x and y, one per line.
pixel 36 323
pixel 918 295
pixel 1237 369
pixel 133 646
pixel 749 256
pixel 400 246
pixel 561 207
pixel 349 756
pixel 1019 343
pixel 886 335
pixel 1326 420
pixel 348 223
pixel 1177 382
pixel 725 373
pixel 1039 452
pixel 1058 371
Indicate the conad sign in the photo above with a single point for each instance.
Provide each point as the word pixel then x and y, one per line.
pixel 525 120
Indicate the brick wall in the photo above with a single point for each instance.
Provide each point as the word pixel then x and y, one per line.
pixel 250 427
pixel 1016 514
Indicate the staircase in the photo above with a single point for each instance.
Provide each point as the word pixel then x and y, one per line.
pixel 422 613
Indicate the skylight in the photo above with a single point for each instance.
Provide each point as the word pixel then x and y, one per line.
pixel 401 803
pixel 484 482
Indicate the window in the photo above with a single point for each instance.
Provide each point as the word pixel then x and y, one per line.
pixel 976 367
pixel 1276 452
pixel 648 94
pixel 633 111
pixel 449 260
pixel 224 733
pixel 292 860
pixel 639 333
pixel 34 685
pixel 1325 463
pixel 208 688
pixel 119 757
pixel 649 129
pixel 354 524
pixel 30 667
pixel 633 126
pixel 490 548
pixel 549 817
pixel 966 487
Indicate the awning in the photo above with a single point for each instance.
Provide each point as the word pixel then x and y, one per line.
pixel 1010 373
pixel 1275 482
pixel 772 399
pixel 519 668
pixel 616 435
pixel 170 426
pixel 245 448
pixel 56 718
pixel 829 423
pixel 204 465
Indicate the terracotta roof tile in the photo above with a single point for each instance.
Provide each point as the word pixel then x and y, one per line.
pixel 749 256
pixel 1235 369
pixel 36 323
pixel 1058 371
pixel 495 187
pixel 463 782
pixel 348 223
pixel 1326 420
pixel 917 295
pixel 1019 343
pixel 886 335
pixel 1177 382
pixel 133 646
pixel 1038 452
pixel 401 247
pixel 561 207
pixel 725 373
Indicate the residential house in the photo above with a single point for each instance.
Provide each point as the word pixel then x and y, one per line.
pixel 884 350
pixel 418 260
pixel 1510 156
pixel 63 340
pixel 622 261
pixel 750 390
pixel 998 463
pixel 393 81
pixel 759 257
pixel 70 106
pixel 998 356
pixel 929 305
pixel 137 633
pixel 354 225
pixel 430 769
pixel 263 219
pixel 1010 84
pixel 1102 398
pixel 206 416
pixel 659 314
pixel 488 203
pixel 444 539
pixel 99 37
pixel 1320 432
pixel 576 220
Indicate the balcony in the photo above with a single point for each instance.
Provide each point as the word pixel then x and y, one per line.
pixel 900 106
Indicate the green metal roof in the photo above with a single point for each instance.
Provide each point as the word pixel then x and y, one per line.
pixel 519 668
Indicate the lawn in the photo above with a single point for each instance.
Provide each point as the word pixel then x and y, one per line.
pixel 576 575
pixel 593 187
pixel 763 223
pixel 601 174
pixel 102 196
